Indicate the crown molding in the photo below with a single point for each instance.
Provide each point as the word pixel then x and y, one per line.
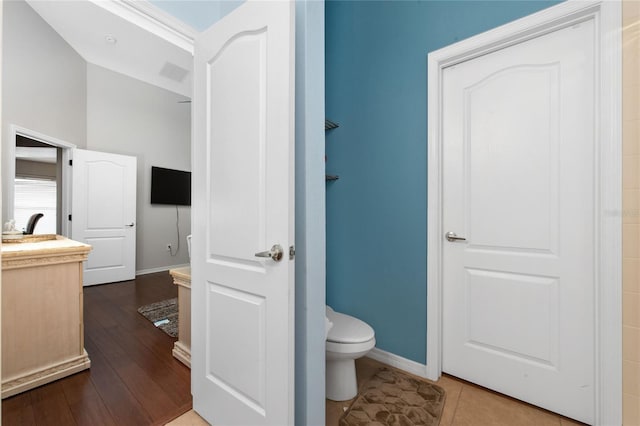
pixel 147 16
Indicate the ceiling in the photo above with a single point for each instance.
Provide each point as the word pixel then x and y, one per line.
pixel 124 36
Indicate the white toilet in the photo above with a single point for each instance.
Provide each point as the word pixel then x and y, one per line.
pixel 348 338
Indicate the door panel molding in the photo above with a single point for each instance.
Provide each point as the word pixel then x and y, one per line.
pixel 608 202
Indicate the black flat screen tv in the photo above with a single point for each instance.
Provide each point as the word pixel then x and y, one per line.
pixel 170 186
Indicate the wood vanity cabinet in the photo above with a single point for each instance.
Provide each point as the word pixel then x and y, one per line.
pixel 42 318
pixel 182 347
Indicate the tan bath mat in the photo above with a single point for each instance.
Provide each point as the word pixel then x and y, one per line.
pixel 394 398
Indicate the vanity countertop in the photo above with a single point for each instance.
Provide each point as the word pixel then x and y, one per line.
pixel 183 273
pixel 51 247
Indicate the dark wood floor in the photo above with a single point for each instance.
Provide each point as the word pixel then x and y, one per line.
pixel 133 380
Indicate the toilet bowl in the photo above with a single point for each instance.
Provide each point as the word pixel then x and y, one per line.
pixel 348 339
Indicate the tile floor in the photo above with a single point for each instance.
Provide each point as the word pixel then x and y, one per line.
pixel 466 404
pixel 190 418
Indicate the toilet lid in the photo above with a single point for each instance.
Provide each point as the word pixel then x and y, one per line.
pixel 347 329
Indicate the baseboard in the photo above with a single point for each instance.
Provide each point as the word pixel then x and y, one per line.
pixel 182 353
pixel 48 374
pixel 398 362
pixel 160 269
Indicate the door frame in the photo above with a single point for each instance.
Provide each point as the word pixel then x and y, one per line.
pixel 67 155
pixel 608 204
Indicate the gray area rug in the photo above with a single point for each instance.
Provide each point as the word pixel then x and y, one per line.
pixel 395 398
pixel 163 310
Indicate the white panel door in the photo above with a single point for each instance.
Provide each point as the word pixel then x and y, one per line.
pixel 518 184
pixel 104 214
pixel 243 305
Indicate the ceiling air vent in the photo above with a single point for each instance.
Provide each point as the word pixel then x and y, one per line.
pixel 173 72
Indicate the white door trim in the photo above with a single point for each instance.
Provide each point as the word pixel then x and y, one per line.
pixel 608 208
pixel 67 153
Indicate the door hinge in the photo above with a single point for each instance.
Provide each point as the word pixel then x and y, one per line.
pixel 69 217
pixel 292 252
pixel 71 162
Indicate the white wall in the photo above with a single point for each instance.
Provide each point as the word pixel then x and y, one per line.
pixel 130 117
pixel 44 82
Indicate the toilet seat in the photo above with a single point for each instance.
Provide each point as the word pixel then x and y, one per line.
pixel 347 329
pixel 346 350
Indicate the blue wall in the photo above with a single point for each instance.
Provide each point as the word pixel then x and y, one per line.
pixel 376 89
pixel 199 14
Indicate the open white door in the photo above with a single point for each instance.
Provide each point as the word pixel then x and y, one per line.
pixel 243 186
pixel 104 214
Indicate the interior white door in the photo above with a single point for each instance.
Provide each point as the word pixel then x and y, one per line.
pixel 518 184
pixel 103 210
pixel 243 181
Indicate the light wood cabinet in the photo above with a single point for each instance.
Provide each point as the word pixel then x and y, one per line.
pixel 42 318
pixel 182 348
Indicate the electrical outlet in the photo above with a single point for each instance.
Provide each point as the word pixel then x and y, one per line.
pixel 168 247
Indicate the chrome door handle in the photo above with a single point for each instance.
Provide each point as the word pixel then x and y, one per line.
pixel 130 225
pixel 451 236
pixel 275 253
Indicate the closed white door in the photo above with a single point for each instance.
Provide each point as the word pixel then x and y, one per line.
pixel 103 213
pixel 518 186
pixel 243 180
